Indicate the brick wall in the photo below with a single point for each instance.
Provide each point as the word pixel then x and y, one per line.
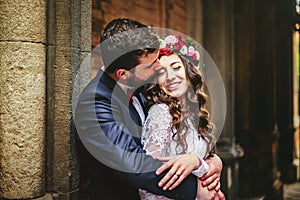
pixel 159 13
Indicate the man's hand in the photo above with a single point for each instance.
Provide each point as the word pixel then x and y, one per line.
pixel 180 167
pixel 204 194
pixel 212 178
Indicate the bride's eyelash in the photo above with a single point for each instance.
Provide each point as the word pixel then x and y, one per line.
pixel 177 67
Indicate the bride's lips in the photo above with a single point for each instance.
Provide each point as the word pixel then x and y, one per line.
pixel 172 86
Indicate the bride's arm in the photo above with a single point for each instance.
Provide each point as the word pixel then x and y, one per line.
pixel 208 186
pixel 156 137
pixel 185 164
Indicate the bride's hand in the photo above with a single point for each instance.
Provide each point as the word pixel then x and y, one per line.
pixel 180 166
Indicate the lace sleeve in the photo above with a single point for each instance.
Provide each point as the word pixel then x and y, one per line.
pixel 202 169
pixel 157 130
pixel 202 152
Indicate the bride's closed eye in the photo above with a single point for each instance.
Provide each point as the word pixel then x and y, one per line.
pixel 177 67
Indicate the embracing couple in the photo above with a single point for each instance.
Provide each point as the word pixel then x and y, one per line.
pixel 143 128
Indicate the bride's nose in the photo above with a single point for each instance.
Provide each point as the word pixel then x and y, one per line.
pixel 170 75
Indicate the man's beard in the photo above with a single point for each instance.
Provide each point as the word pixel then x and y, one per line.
pixel 133 81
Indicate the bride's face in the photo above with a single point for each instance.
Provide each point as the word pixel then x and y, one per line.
pixel 172 76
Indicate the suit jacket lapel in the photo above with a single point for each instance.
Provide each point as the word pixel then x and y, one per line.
pixel 134 114
pixel 120 94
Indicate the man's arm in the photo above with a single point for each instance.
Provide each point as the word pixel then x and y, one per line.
pixel 99 125
pixel 212 178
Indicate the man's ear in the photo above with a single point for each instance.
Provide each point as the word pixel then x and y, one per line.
pixel 122 74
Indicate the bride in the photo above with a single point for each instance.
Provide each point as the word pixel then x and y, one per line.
pixel 177 122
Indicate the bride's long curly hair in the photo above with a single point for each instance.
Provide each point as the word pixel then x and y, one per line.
pixel 194 108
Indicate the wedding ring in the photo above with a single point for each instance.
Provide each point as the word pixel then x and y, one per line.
pixel 177 174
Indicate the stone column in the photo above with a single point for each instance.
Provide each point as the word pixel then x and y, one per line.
pixel 69 39
pixel 218 40
pixel 263 95
pixel 22 98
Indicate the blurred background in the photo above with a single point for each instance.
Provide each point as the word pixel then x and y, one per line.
pixel 254 43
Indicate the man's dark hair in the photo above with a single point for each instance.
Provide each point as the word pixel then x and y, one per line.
pixel 124 41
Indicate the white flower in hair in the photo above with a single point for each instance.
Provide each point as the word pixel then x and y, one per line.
pixel 171 39
pixel 163 44
pixel 183 50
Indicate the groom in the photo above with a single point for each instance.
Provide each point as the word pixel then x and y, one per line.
pixel 109 123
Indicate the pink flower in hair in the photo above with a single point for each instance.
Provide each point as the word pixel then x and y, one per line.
pixel 190 51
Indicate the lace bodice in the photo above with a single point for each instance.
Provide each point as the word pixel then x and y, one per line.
pixel 157 131
pixel 157 141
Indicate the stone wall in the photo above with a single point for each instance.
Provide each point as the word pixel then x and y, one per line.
pixel 42 44
pixel 69 35
pixel 22 98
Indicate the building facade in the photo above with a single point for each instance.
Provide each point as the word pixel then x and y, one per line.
pixel 43 44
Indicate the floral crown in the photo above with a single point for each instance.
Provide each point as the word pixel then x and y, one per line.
pixel 180 45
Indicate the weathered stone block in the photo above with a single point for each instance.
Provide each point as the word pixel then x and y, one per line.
pixel 23 20
pixel 22 119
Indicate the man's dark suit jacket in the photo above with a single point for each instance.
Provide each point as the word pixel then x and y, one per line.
pixel 111 157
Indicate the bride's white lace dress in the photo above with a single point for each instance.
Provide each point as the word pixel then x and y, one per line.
pixel 157 141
